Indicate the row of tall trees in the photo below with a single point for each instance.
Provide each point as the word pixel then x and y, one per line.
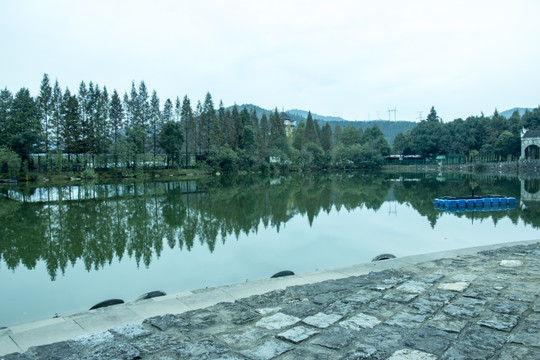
pixel 494 138
pixel 93 128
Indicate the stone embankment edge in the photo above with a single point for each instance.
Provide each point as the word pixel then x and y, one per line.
pixel 19 338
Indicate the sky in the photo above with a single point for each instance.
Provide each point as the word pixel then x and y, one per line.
pixel 349 58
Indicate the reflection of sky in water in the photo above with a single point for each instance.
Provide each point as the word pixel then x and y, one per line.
pixel 334 240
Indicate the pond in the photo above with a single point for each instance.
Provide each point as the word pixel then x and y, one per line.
pixel 65 248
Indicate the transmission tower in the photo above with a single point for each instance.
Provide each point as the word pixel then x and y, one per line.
pixel 394 110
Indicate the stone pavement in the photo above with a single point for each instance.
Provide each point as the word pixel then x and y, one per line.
pixel 481 305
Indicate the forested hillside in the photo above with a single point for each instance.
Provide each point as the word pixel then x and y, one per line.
pixel 389 128
pixel 508 113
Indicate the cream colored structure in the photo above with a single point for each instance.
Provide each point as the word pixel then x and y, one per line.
pixel 530 139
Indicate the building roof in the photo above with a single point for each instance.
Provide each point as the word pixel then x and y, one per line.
pixel 285 116
pixel 532 134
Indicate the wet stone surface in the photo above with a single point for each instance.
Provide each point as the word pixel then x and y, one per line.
pixel 483 306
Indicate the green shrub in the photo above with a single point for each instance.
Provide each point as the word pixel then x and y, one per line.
pixel 10 162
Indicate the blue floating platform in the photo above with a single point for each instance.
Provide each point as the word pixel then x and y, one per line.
pixel 475 203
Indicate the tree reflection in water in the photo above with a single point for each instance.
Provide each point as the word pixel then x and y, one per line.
pixel 100 222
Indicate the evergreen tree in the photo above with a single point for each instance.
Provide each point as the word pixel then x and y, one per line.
pixel 144 121
pixel 229 129
pixel 277 129
pixel 132 106
pixel 6 100
pixel 249 140
pixel 135 131
pixel 171 139
pixel 298 136
pixel 497 126
pixel 531 119
pixel 56 118
pixel 178 109
pixel 23 124
pixel 82 97
pixel 168 112
pixel 244 114
pixel 71 124
pixel 432 116
pixel 223 124
pixel 238 128
pixel 245 131
pixel 254 120
pixel 155 122
pixel 310 132
pixel 44 102
pixel 336 135
pixel 212 128
pixel 86 101
pixel 513 123
pixel 326 138
pixel 116 123
pixel 188 123
pixel 264 131
pixel 317 130
pixel 199 129
pixel 97 126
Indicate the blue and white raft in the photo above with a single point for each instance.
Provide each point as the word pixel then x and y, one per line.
pixel 475 203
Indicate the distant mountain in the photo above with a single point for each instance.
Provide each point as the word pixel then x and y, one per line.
pixel 303 114
pixel 389 128
pixel 258 110
pixel 508 113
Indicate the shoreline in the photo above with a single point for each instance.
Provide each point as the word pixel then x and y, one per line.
pixel 22 337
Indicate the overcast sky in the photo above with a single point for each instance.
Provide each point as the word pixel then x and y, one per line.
pixel 354 59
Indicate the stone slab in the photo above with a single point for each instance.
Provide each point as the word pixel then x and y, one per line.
pixel 277 321
pixel 202 298
pixel 268 350
pixel 57 331
pixel 106 318
pixel 360 321
pixel 322 320
pixel 458 286
pixel 408 354
pixel 297 334
pixel 8 346
pixel 152 307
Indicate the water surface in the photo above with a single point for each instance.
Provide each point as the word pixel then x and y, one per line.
pixel 66 248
